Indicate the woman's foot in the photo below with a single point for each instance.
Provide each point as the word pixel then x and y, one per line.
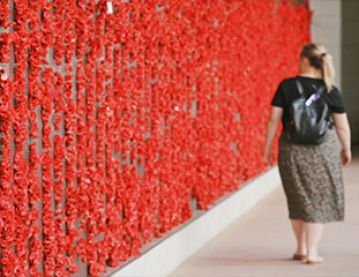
pixel 314 260
pixel 299 257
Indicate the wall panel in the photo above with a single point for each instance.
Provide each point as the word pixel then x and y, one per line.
pixel 112 124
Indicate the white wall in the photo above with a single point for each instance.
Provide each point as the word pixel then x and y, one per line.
pixel 350 63
pixel 326 29
pixel 336 25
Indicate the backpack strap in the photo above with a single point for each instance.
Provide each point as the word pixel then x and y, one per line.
pixel 314 96
pixel 301 90
pixel 299 87
pixel 320 90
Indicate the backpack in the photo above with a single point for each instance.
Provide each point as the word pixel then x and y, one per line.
pixel 308 118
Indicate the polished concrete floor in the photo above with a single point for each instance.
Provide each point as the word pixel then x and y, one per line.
pixel 261 242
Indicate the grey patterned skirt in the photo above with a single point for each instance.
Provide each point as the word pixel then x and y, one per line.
pixel 312 179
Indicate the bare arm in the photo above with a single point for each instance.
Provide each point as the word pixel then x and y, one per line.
pixel 272 128
pixel 343 131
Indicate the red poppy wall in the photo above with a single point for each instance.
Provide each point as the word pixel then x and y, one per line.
pixel 118 119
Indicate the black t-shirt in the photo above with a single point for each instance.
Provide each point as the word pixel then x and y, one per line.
pixel 287 92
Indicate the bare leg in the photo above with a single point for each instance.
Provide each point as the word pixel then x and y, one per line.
pixel 298 228
pixel 313 233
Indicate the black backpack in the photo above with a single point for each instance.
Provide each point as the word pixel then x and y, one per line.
pixel 308 118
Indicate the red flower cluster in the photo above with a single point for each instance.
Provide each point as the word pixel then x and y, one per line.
pixel 113 123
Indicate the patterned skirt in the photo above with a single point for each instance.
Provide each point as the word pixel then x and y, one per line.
pixel 312 179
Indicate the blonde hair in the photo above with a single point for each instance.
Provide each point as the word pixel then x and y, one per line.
pixel 319 58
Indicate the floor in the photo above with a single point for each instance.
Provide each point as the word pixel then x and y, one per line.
pixel 261 242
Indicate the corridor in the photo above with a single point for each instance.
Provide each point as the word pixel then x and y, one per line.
pixel 261 242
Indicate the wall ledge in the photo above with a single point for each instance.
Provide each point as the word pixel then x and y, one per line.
pixel 167 254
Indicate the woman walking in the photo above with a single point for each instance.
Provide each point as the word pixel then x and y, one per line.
pixel 311 174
